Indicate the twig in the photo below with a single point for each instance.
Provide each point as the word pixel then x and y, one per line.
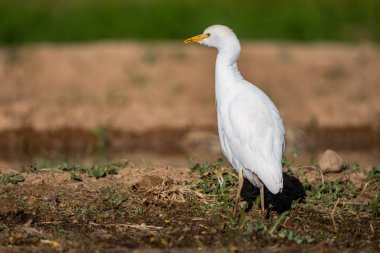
pixel 137 226
pixel 305 167
pixel 332 215
pixel 142 226
pixel 352 212
pixel 371 227
pixel 52 243
pixel 364 188
pixel 50 222
pixel 322 177
pixel 286 220
pixel 233 175
pixel 354 203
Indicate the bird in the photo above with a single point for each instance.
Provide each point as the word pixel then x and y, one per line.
pixel 251 130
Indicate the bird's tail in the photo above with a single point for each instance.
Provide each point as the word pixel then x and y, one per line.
pixel 292 191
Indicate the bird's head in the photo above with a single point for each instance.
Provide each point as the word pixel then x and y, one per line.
pixel 220 37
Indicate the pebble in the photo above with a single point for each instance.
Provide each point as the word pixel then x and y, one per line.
pixel 330 161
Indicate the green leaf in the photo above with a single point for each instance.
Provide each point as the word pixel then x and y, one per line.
pixel 278 221
pixel 374 173
pixel 97 172
pixel 64 166
pixel 11 178
pixel 314 162
pixel 75 176
pixel 112 169
pixel 16 179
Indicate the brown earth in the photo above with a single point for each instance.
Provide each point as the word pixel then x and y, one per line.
pixel 137 87
pixel 162 210
pixel 159 97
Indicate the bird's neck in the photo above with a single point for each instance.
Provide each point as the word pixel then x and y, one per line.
pixel 227 73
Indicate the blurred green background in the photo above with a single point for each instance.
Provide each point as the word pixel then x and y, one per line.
pixel 24 21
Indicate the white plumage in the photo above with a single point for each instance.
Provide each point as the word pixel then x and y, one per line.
pixel 250 128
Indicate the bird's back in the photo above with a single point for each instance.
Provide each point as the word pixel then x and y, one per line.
pixel 251 132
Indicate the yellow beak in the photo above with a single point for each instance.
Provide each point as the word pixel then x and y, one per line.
pixel 197 38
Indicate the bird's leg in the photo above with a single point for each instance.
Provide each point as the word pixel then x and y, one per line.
pixel 240 186
pixel 262 197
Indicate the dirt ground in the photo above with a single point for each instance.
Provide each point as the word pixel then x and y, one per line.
pixel 69 112
pixel 159 97
pixel 137 87
pixel 144 209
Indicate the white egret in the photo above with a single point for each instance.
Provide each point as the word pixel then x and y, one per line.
pixel 251 131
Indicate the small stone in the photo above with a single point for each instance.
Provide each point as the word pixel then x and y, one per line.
pixel 330 161
pixel 357 179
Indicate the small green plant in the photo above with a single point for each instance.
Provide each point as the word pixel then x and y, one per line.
pixel 11 178
pixel 102 171
pixel 201 168
pixel 112 168
pixel 215 179
pixel 218 185
pixel 355 167
pixel 41 165
pixel 86 210
pixel 314 162
pixel 327 190
pixel 115 199
pixel 275 232
pixel 71 167
pixel 374 173
pixel 137 211
pixel 75 176
pixel 292 236
pixel 97 172
pixel 278 222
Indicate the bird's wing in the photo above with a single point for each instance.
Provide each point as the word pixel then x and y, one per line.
pixel 256 133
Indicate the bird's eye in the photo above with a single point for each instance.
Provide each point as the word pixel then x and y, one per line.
pixel 208 34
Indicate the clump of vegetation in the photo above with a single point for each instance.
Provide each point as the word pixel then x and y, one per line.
pixel 72 167
pixel 75 176
pixel 374 174
pixel 215 179
pixel 75 170
pixel 94 171
pixel 11 178
pixel 327 193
